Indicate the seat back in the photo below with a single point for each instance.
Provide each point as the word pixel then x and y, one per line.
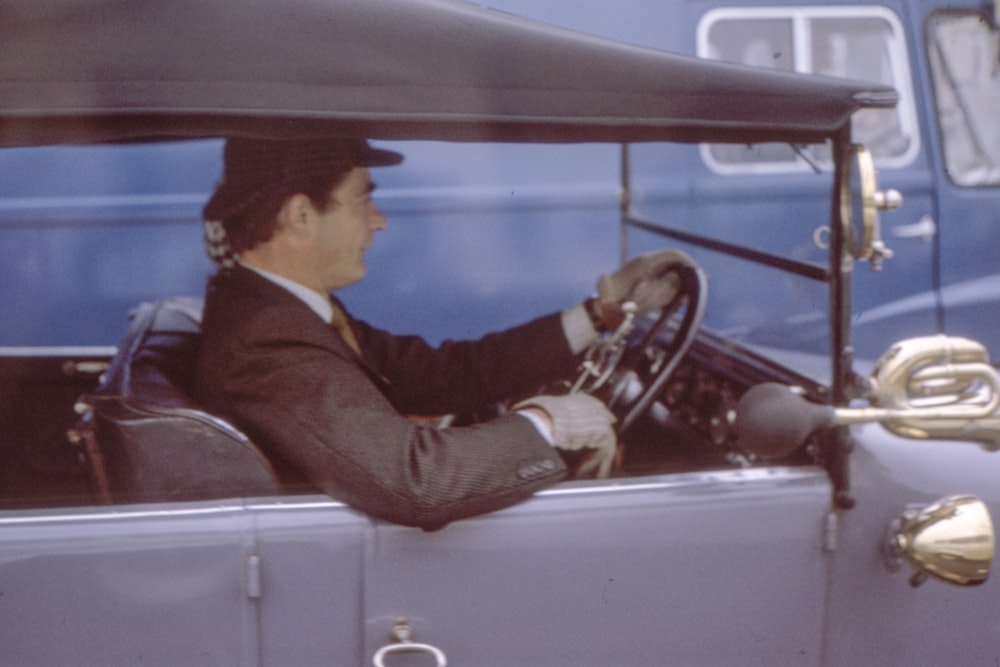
pixel 153 442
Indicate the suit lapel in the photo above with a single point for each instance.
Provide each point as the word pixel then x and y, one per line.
pixel 300 320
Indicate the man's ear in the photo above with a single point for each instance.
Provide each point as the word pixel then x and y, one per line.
pixel 297 216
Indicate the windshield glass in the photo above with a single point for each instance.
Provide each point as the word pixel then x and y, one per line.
pixel 965 62
pixel 781 308
pixel 480 237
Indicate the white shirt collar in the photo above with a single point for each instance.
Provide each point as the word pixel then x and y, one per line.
pixel 316 301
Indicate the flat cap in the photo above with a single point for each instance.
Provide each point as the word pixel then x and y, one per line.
pixel 253 167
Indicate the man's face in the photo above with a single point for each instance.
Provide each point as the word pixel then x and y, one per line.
pixel 345 231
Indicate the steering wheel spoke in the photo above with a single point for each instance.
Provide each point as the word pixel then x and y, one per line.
pixel 628 369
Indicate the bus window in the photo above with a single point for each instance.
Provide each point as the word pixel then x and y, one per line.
pixel 965 64
pixel 864 43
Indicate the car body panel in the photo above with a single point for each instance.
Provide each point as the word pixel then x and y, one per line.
pixel 578 574
pixel 311 559
pixel 592 571
pixel 147 585
pixel 877 616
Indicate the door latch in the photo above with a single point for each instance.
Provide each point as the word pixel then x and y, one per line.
pixel 402 642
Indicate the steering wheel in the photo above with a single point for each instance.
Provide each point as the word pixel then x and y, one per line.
pixel 614 368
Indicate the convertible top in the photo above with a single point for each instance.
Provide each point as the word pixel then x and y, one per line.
pixel 127 70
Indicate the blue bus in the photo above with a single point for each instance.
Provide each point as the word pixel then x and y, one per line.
pixel 941 147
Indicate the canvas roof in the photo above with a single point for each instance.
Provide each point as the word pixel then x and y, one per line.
pixel 85 70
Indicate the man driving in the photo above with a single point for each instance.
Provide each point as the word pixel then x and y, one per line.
pixel 329 398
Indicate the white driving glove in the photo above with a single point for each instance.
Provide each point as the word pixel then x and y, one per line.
pixel 580 422
pixel 641 282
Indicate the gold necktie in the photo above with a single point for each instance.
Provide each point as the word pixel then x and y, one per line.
pixel 342 327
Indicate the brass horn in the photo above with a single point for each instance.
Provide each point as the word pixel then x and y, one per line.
pixel 940 387
pixel 937 387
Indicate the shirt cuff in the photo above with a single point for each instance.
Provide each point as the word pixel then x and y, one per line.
pixel 579 331
pixel 541 426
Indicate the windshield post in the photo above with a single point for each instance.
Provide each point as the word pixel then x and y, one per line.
pixel 624 203
pixel 841 272
pixel 843 383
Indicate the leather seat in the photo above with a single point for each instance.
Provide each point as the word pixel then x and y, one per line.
pixel 146 439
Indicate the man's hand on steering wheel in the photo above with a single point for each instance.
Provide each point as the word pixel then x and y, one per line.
pixel 629 372
pixel 644 281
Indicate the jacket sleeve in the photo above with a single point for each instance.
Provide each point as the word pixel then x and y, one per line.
pixel 320 412
pixel 464 376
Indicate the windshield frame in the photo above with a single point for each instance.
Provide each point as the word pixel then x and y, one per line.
pixel 837 274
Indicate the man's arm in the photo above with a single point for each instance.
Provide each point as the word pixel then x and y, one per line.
pixel 321 413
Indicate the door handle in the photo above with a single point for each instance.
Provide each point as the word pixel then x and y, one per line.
pixel 925 229
pixel 402 636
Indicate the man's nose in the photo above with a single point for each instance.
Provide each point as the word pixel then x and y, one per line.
pixel 376 219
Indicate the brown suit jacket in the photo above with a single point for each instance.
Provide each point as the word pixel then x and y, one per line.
pixel 268 363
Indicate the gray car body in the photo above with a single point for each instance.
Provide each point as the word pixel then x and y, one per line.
pixel 724 565
pixel 716 567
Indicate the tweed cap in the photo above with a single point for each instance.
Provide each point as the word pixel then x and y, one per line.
pixel 253 167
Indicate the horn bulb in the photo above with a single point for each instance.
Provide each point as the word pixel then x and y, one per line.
pixel 772 421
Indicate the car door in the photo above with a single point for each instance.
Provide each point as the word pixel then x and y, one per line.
pixel 272 581
pixel 308 574
pixel 130 585
pixel 719 567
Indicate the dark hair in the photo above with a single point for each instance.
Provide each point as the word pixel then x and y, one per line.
pixel 257 221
